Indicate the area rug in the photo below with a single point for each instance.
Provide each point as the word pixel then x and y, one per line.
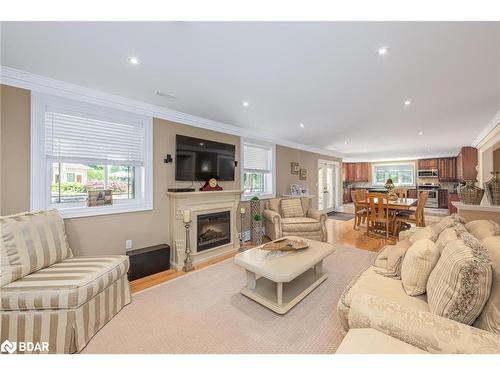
pixel 344 216
pixel 203 312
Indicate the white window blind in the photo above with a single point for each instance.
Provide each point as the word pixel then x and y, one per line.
pixel 257 158
pixel 78 138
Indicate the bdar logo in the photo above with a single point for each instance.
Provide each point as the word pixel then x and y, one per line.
pixel 8 347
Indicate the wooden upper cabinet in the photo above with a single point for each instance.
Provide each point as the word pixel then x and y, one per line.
pixel 467 163
pixel 447 168
pixel 423 164
pixel 356 172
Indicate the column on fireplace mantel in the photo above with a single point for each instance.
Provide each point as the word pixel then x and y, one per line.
pixel 200 203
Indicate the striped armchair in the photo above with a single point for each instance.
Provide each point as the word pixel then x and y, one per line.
pixel 49 296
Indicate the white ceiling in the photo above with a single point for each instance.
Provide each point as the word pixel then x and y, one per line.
pixel 325 75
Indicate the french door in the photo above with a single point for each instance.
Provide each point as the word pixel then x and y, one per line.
pixel 326 186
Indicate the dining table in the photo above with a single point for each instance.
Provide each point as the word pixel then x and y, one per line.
pixel 399 204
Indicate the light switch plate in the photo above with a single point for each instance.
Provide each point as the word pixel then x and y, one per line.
pixel 128 244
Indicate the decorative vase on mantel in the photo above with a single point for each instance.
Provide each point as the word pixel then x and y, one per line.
pixel 492 188
pixel 470 193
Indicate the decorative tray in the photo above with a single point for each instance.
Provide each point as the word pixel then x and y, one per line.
pixel 285 244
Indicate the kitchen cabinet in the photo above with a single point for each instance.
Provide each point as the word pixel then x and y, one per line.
pixel 347 195
pixel 452 197
pixel 466 164
pixel 356 172
pixel 412 193
pixel 443 198
pixel 427 164
pixel 447 169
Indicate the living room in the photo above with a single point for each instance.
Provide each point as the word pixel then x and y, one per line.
pixel 159 201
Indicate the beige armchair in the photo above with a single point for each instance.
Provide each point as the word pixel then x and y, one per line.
pixel 293 216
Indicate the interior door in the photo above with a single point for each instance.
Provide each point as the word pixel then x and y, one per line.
pixel 326 187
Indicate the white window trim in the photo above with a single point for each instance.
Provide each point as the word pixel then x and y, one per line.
pixel 272 146
pixel 374 183
pixel 41 172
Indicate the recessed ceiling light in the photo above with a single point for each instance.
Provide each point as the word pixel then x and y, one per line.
pixel 407 102
pixel 246 104
pixel 382 51
pixel 420 133
pixel 134 60
pixel 301 125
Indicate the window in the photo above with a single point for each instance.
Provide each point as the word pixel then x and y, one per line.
pixel 401 173
pixel 257 171
pixel 79 147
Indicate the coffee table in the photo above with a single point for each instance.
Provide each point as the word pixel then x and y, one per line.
pixel 280 281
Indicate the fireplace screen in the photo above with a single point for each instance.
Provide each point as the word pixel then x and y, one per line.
pixel 213 230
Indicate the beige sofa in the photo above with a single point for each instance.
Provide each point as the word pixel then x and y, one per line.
pixel 381 317
pixel 304 222
pixel 48 296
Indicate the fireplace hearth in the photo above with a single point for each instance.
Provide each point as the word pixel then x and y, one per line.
pixel 213 230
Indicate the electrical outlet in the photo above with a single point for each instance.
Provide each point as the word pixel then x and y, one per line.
pixel 128 244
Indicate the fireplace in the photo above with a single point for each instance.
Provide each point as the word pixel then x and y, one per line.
pixel 213 230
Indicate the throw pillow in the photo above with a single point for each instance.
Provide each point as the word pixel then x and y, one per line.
pixel 483 228
pixel 426 233
pixel 448 235
pixel 448 221
pixel 418 263
pixel 390 258
pixel 291 208
pixel 29 242
pixel 460 283
pixel 489 319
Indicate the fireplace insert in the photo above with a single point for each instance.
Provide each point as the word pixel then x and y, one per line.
pixel 213 230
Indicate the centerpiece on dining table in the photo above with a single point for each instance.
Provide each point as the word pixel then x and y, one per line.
pixel 391 195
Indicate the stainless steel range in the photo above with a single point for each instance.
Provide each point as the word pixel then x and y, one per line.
pixel 432 199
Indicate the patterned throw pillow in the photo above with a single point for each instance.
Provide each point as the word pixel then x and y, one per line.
pixel 448 221
pixel 418 263
pixel 483 228
pixel 291 208
pixel 448 235
pixel 29 242
pixel 460 283
pixel 489 319
pixel 426 233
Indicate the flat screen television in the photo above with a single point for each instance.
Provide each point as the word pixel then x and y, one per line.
pixel 199 160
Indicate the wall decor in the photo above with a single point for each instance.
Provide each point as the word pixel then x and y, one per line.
pixel 294 168
pixel 303 174
pixel 102 197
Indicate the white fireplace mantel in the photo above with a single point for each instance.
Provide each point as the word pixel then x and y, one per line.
pixel 200 203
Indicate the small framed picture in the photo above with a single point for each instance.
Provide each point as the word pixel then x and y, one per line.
pixel 303 174
pixel 294 168
pixel 295 189
pixel 99 197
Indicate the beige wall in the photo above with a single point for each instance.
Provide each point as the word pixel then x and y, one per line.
pixel 308 160
pixel 107 234
pixel 496 158
pixel 15 150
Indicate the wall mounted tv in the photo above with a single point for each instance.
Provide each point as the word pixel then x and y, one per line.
pixel 199 160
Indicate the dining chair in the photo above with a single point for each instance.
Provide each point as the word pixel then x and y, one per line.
pixel 379 219
pixel 401 192
pixel 416 217
pixel 360 209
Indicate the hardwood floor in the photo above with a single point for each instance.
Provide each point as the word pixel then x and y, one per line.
pixel 158 278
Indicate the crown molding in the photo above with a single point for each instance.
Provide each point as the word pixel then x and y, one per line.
pixel 37 83
pixel 483 136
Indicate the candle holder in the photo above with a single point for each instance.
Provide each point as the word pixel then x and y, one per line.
pixel 188 262
pixel 242 229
